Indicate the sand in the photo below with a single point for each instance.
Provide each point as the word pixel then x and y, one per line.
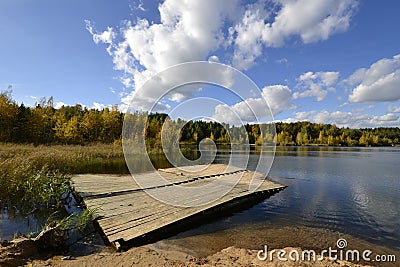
pixel 222 248
pixel 147 256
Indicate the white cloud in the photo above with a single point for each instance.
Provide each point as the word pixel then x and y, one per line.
pixel 59 104
pixel 394 109
pixel 187 32
pixel 282 61
pixel 312 20
pixel 248 42
pixel 106 37
pixel 213 58
pixel 100 106
pixel 356 77
pixel 278 98
pixel 348 119
pixel 112 90
pixel 316 84
pixel 390 117
pixel 137 5
pixel 198 30
pixel 379 83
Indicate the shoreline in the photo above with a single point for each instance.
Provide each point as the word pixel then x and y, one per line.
pixel 147 256
pixel 207 249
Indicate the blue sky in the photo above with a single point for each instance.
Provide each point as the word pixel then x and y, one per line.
pixel 322 61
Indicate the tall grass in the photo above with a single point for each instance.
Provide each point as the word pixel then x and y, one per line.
pixel 37 177
pixel 26 187
pixel 35 180
pixel 33 177
pixel 70 159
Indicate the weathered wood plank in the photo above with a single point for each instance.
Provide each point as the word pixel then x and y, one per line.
pixel 127 212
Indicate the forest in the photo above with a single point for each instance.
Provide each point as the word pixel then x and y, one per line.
pixel 43 124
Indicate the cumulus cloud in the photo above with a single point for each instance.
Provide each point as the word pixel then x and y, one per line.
pixel 248 41
pixel 348 119
pixel 198 30
pixel 312 20
pixel 106 37
pixel 187 32
pixel 59 104
pixel 278 98
pixel 378 83
pixel 100 106
pixel 394 109
pixel 316 84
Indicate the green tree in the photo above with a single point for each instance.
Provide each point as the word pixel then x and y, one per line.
pixel 22 129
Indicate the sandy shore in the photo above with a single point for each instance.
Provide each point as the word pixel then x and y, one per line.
pixel 148 256
pixel 230 247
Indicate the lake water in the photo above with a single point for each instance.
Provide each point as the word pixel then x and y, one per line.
pixel 348 190
pixel 355 191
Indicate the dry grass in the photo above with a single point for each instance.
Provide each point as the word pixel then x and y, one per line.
pixel 37 177
pixel 68 159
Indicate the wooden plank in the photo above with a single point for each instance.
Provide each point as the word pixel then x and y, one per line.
pixel 159 210
pixel 129 212
pixel 136 230
pixel 113 184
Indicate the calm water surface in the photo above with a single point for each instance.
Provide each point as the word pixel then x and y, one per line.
pixel 349 190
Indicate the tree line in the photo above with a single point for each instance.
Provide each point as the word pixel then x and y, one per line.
pixel 43 124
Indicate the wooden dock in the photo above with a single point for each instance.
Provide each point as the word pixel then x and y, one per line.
pixel 129 215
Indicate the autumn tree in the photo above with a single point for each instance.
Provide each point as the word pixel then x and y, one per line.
pixel 91 126
pixel 8 115
pixel 112 124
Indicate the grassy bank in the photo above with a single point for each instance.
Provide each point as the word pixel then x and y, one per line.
pixel 69 159
pixel 35 179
